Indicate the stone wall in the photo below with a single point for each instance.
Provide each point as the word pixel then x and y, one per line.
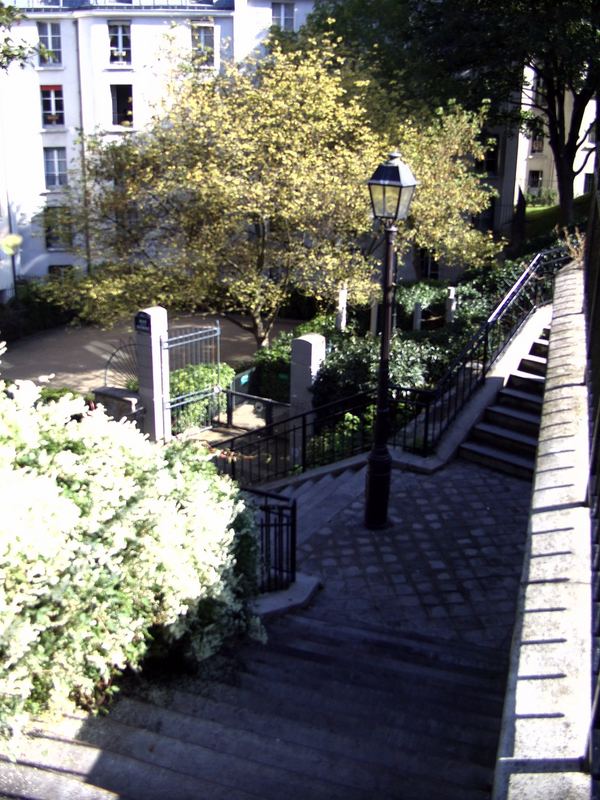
pixel 548 702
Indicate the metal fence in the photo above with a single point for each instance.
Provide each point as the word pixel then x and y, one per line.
pixel 423 416
pixel 276 519
pixel 304 441
pixel 418 417
pixel 195 377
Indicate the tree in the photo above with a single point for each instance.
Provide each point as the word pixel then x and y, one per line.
pixel 10 50
pixel 474 49
pixel 251 184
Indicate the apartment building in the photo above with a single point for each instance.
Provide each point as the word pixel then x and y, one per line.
pixel 104 67
pixel 535 169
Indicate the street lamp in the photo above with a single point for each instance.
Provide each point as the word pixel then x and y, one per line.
pixel 391 187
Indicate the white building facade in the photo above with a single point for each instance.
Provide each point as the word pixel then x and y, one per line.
pixel 104 67
pixel 535 169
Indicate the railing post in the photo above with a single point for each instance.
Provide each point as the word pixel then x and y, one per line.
pixel 426 425
pixel 303 443
pixel 486 348
pixel 229 409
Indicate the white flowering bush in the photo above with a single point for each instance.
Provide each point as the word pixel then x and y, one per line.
pixel 108 543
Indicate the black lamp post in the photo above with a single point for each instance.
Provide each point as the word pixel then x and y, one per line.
pixel 392 187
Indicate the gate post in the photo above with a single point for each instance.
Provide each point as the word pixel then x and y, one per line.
pixel 151 327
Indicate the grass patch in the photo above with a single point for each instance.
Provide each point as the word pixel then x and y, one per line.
pixel 542 220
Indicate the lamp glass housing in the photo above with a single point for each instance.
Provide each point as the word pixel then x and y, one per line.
pixel 392 187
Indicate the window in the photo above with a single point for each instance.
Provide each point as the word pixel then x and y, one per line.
pixel 53 111
pixel 588 182
pixel 537 143
pixel 50 47
pixel 203 44
pixel 283 15
pixel 427 266
pixel 122 104
pixel 120 42
pixel 55 167
pixel 535 180
pixel 57 228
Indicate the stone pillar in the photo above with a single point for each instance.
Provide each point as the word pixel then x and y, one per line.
pixel 417 317
pixel 151 327
pixel 340 319
pixel 307 354
pixel 450 304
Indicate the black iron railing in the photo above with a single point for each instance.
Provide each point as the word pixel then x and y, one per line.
pixel 423 415
pixel 276 520
pixel 419 417
pixel 293 445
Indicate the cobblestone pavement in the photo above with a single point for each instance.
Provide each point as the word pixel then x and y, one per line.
pixel 449 563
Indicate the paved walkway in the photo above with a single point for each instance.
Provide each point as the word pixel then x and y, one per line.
pixel 448 565
pixel 77 356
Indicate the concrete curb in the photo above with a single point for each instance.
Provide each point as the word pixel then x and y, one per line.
pixel 299 595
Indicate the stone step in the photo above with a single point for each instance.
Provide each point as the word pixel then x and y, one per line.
pixel 303 765
pixel 391 660
pixel 328 687
pixel 515 398
pixel 397 756
pixel 526 382
pixel 298 725
pixel 24 782
pixel 516 419
pixel 320 499
pixel 534 364
pixel 270 746
pixel 122 774
pixel 517 466
pixel 217 773
pixel 502 438
pixel 309 487
pixel 540 347
pixel 376 640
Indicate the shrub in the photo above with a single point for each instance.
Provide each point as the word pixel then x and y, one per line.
pixel 352 369
pixel 271 377
pixel 199 378
pixel 30 311
pixel 106 540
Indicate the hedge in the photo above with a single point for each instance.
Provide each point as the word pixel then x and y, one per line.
pixel 109 545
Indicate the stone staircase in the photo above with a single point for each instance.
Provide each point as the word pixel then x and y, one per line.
pixel 322 494
pixel 326 710
pixel 506 437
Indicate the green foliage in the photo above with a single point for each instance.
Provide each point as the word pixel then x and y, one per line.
pixel 255 192
pixel 11 50
pixel 30 311
pixel 271 377
pixel 199 378
pixel 138 542
pixel 353 368
pixel 351 434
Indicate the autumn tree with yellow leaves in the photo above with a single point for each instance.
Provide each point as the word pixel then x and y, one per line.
pixel 251 184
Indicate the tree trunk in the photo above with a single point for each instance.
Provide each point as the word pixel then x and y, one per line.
pixel 565 177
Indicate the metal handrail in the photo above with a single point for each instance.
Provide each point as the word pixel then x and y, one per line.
pixel 436 408
pixel 419 416
pixel 276 519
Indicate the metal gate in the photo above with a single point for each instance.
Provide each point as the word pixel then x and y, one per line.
pixel 193 358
